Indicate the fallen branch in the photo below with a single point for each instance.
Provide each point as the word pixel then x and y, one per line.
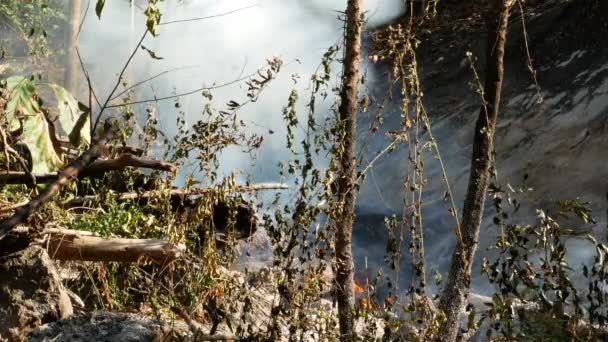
pixel 176 194
pixel 128 160
pixel 68 232
pixel 98 167
pixel 68 174
pixel 18 177
pixel 13 206
pixel 130 149
pixel 64 244
pixel 72 154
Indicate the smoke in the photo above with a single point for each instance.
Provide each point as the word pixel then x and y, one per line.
pixel 219 50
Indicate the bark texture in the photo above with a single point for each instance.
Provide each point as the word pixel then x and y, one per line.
pixel 71 68
pixel 347 174
pixel 83 246
pixel 95 169
pixel 454 297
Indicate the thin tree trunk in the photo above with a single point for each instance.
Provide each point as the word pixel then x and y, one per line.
pixel 454 297
pixel 71 67
pixel 347 175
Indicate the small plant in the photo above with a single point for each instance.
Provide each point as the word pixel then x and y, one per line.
pixel 36 24
pixel 536 297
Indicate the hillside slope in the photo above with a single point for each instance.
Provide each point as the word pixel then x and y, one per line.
pixel 559 145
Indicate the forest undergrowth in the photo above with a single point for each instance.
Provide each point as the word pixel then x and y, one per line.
pixel 206 225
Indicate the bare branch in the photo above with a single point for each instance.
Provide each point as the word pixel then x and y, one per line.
pixel 128 160
pixel 118 81
pixel 191 92
pixel 148 80
pixel 96 168
pixel 89 83
pixel 208 17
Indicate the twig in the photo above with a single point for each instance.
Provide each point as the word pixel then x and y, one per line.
pixel 68 174
pixel 147 80
pixel 122 72
pixel 67 232
pixel 90 84
pixel 86 11
pixel 208 17
pixel 130 149
pixel 169 97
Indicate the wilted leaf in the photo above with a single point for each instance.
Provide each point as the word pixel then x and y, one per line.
pixel 24 113
pixel 152 14
pixel 99 7
pixel 37 137
pixel 22 102
pixel 151 53
pixel 72 121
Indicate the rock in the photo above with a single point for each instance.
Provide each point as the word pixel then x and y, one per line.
pixel 31 294
pixel 102 326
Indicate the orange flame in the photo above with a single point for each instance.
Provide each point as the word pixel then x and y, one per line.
pixel 358 289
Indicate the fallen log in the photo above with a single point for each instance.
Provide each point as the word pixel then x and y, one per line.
pixel 96 168
pixel 64 244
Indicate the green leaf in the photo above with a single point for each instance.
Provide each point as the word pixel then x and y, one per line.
pixel 71 120
pixel 22 100
pixel 99 7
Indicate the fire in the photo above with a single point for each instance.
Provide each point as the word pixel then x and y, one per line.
pixel 358 289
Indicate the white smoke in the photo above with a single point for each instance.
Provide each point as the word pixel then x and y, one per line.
pixel 219 50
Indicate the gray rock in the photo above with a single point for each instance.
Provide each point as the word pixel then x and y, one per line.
pixel 101 326
pixel 31 294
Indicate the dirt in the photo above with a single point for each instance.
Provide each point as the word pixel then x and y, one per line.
pixel 31 294
pixel 103 327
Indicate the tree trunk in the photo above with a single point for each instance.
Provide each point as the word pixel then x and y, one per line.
pixel 454 297
pixel 347 175
pixel 71 67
